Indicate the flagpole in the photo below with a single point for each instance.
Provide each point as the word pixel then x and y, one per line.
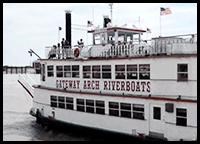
pixel 160 24
pixel 58 35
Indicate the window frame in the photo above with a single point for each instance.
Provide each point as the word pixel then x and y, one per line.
pixel 59 71
pixel 120 73
pixel 179 72
pixel 136 112
pixel 181 117
pixel 87 73
pixel 50 71
pixel 128 71
pixel 106 69
pixel 146 71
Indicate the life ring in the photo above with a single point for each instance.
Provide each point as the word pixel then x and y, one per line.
pixel 76 52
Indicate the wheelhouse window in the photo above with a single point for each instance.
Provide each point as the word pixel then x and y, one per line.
pixel 182 72
pixel 114 108
pixel 96 72
pixel 120 71
pixel 138 111
pixel 80 103
pixel 59 71
pixel 69 103
pixel 132 72
pixel 43 72
pixel 125 109
pixel 86 71
pixel 144 71
pixel 106 71
pixel 181 116
pixel 61 102
pixel 67 71
pixel 75 71
pixel 50 71
pixel 53 101
pixel 157 113
pixel 89 106
pixel 100 107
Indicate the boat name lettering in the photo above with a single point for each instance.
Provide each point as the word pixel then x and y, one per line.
pixel 133 86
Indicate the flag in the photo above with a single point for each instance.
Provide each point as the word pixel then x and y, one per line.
pixel 59 28
pixel 89 23
pixel 148 30
pixel 165 11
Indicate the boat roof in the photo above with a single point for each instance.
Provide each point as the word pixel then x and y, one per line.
pixel 115 28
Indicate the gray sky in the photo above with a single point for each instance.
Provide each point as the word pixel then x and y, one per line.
pixel 34 26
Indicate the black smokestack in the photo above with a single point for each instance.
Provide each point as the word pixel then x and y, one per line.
pixel 68 26
pixel 106 20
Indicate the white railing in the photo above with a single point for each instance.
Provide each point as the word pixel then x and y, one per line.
pixel 126 50
pixel 28 80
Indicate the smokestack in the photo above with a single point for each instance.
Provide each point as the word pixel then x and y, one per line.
pixel 68 26
pixel 106 20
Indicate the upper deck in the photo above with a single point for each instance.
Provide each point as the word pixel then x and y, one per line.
pixel 118 42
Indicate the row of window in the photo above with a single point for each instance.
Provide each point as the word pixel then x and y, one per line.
pixel 126 110
pixel 134 71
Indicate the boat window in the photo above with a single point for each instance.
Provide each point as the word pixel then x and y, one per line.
pixel 182 72
pixel 53 100
pixel 69 103
pixel 138 111
pixel 114 108
pixel 144 71
pixel 157 113
pixel 100 107
pixel 80 103
pixel 97 39
pixel 181 116
pixel 67 71
pixel 42 73
pixel 125 109
pixel 50 71
pixel 96 72
pixel 90 106
pixel 106 71
pixel 61 102
pixel 86 71
pixel 120 71
pixel 59 71
pixel 75 71
pixel 132 72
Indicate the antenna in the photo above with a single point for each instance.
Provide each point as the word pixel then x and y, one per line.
pixel 111 5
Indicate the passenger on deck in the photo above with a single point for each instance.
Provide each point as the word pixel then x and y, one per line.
pixel 63 43
pixel 81 43
pixel 52 52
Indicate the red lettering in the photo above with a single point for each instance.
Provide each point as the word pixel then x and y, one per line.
pixel 148 86
pixel 78 83
pixel 113 85
pixel 88 85
pixel 97 85
pixel 133 86
pixel 66 83
pixel 138 86
pixel 105 85
pixel 122 86
pixel 84 86
pixel 127 86
pixel 143 85
pixel 117 86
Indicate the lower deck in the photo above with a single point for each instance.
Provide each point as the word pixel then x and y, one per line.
pixel 174 120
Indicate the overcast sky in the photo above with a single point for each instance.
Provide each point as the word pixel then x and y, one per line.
pixel 34 26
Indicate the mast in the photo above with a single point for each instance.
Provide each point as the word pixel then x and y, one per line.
pixel 111 4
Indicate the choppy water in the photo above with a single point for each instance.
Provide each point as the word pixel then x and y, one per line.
pixel 18 125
